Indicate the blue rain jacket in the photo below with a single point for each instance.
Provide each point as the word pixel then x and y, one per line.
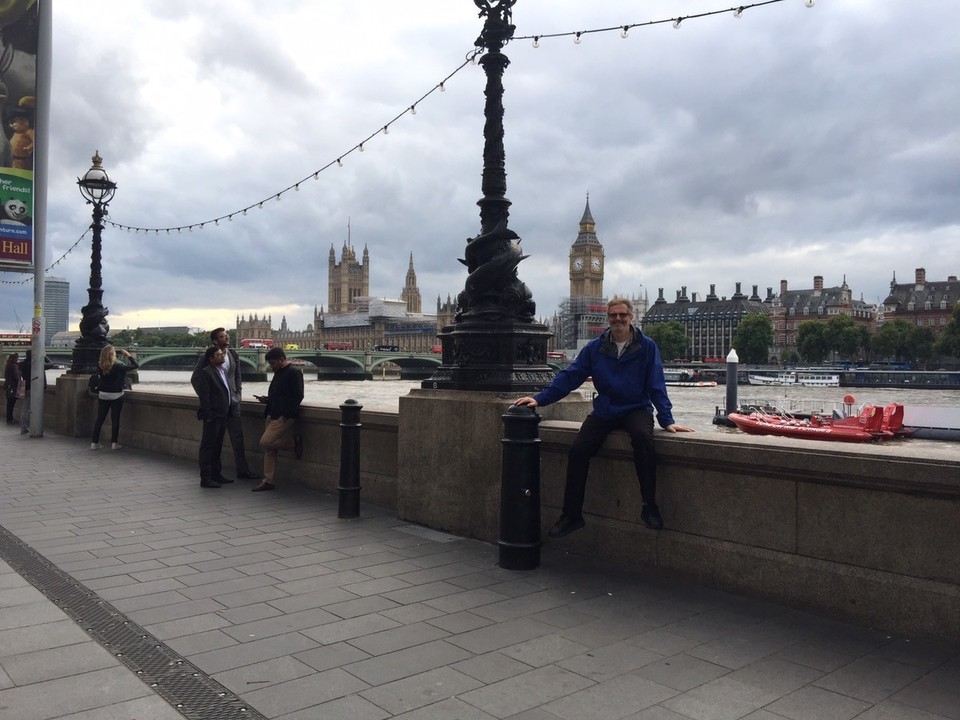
pixel 630 382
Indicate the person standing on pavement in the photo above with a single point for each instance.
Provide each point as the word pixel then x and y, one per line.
pixel 628 376
pixel 212 386
pixel 11 383
pixel 231 366
pixel 113 379
pixel 283 405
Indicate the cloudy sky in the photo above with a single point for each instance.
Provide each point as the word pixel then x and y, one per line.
pixel 788 143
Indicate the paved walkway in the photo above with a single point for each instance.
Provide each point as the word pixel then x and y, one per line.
pixel 232 604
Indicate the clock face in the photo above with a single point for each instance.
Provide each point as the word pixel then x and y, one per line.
pixel 595 264
pixel 578 263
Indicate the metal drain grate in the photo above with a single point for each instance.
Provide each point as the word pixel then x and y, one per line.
pixel 193 693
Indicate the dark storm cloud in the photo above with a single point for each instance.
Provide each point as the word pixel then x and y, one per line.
pixel 789 143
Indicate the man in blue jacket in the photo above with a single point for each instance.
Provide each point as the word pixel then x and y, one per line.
pixel 628 377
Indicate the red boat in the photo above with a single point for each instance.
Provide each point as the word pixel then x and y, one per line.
pixel 873 423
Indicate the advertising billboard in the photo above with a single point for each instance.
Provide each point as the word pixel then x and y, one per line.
pixel 18 106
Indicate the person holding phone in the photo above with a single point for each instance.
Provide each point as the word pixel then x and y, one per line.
pixel 283 405
pixel 113 376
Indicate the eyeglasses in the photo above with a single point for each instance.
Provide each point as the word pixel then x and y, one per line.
pixel 618 315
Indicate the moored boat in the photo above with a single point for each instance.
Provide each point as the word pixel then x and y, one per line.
pixel 873 423
pixel 807 378
pixel 684 378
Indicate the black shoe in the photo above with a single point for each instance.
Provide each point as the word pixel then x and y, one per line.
pixel 247 475
pixel 223 481
pixel 298 446
pixel 209 484
pixel 565 525
pixel 651 517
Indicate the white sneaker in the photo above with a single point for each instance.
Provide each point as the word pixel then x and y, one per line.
pixel 115 446
pixel 96 446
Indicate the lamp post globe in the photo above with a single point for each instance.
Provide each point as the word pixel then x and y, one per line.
pixel 98 189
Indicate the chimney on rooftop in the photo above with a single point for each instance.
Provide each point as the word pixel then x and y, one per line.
pixel 818 282
pixel 783 288
pixel 921 276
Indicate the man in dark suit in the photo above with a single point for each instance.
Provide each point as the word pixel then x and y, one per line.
pixel 212 387
pixel 231 366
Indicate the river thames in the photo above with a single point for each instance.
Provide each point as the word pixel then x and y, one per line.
pixel 694 407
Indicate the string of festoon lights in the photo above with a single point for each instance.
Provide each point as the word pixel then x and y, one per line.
pixel 471 59
pixel 677 23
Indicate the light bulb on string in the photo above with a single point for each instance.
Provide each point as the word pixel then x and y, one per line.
pixel 536 41
pixel 738 13
pixel 386 129
pixel 576 38
pixel 442 88
pixel 810 3
pixel 676 24
pixel 625 31
pixel 413 109
pixel 360 147
pixel 339 162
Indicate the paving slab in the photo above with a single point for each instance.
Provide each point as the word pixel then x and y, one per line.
pixel 281 610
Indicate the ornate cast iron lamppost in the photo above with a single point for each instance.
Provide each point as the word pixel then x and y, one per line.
pixel 494 343
pixel 98 189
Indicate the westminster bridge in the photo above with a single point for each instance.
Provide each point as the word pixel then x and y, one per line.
pixel 330 364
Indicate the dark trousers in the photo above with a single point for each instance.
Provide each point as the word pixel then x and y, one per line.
pixel 108 406
pixel 211 446
pixel 11 401
pixel 639 425
pixel 235 431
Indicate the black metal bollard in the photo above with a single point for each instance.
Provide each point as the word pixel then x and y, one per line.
pixel 348 490
pixel 520 490
pixel 733 362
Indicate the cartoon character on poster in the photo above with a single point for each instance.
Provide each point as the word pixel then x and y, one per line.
pixel 19 29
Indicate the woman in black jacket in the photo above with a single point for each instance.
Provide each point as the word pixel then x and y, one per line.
pixel 113 376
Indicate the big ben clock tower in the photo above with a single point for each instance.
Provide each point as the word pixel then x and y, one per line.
pixel 586 260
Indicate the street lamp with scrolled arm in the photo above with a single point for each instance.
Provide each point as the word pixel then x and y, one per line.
pixel 98 189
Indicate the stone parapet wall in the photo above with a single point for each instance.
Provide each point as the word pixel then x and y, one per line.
pixel 867 536
pixel 845 530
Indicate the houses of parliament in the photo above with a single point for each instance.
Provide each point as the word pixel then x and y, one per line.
pixel 353 319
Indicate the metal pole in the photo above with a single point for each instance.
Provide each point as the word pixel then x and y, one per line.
pixel 349 488
pixel 520 490
pixel 41 155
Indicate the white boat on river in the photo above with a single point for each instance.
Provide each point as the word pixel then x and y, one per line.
pixel 806 378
